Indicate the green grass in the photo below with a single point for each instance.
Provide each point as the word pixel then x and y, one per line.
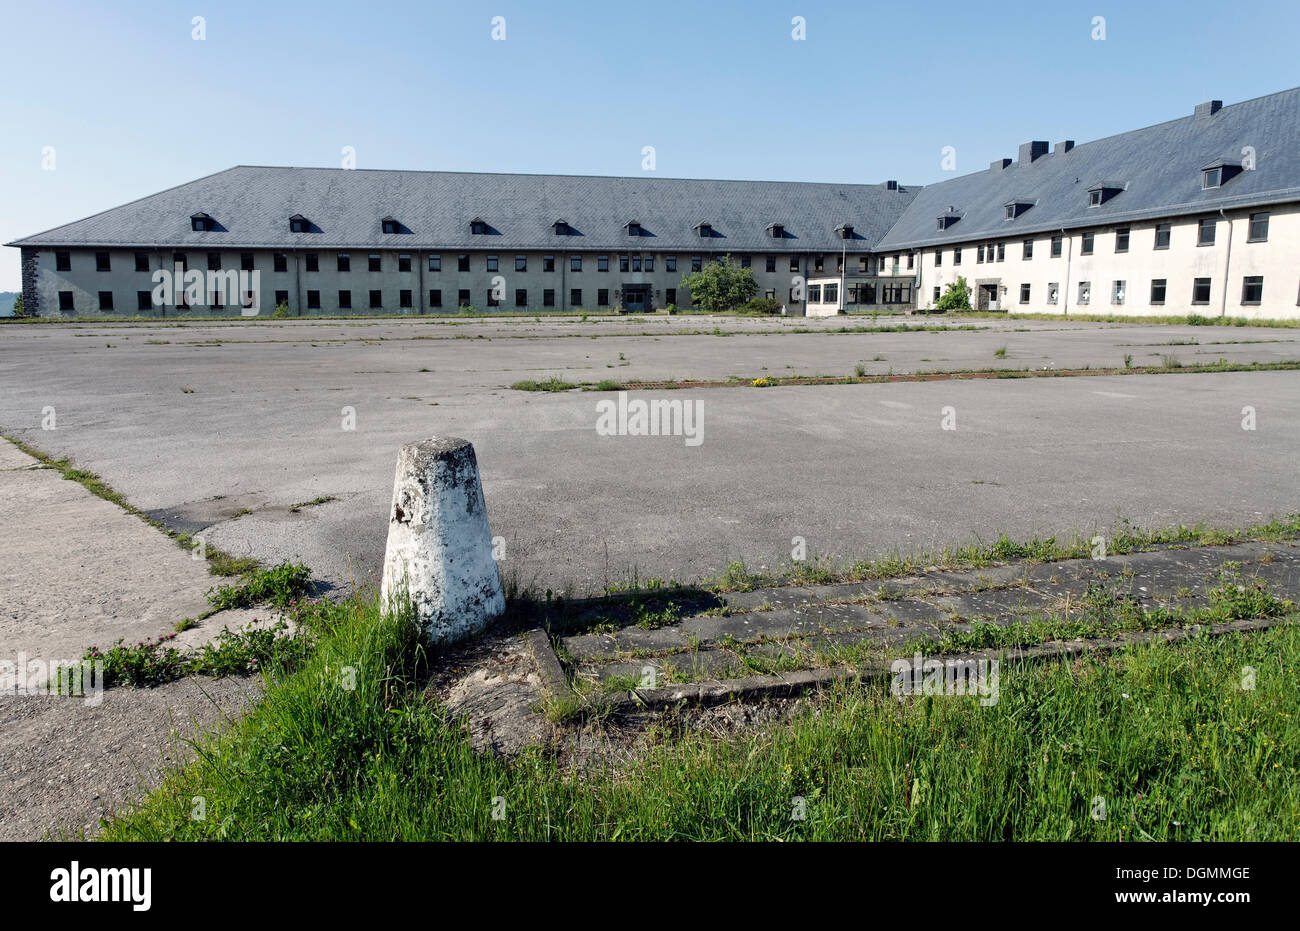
pixel 1165 734
pixel 551 384
pixel 279 586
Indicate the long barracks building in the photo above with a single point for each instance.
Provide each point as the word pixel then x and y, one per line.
pixel 1199 214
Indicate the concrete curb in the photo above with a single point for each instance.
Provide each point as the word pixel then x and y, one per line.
pixel 712 692
pixel 554 681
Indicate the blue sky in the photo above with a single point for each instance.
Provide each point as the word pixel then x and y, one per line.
pixel 132 104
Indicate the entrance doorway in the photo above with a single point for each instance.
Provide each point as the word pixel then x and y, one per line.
pixel 988 297
pixel 636 298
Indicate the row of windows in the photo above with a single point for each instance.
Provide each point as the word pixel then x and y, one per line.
pixel 1252 291
pixel 1206 231
pixel 144 299
pixel 374 262
pixel 829 293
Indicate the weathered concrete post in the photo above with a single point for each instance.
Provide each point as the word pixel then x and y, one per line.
pixel 439 543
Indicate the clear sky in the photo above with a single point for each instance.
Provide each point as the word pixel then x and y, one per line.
pixel 131 103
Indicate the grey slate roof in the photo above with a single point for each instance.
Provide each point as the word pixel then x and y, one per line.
pixel 1158 169
pixel 252 206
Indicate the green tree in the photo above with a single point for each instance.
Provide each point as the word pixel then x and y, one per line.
pixel 956 296
pixel 18 307
pixel 721 286
pixel 281 309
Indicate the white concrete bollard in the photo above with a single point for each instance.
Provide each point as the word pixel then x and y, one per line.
pixel 439 543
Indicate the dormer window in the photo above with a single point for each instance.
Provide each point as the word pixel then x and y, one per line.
pixel 389 225
pixel 845 231
pixel 298 223
pixel 947 218
pixel 1100 193
pixel 478 227
pixel 777 230
pixel 704 230
pixel 1218 173
pixel 633 227
pixel 561 227
pixel 200 223
pixel 1015 208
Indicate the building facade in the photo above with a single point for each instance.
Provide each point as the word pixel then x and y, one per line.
pixel 335 242
pixel 1196 215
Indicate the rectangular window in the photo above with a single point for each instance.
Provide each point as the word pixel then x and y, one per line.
pixel 462 297
pixel 1118 290
pixel 794 263
pixel 344 262
pixel 671 294
pixel 178 258
pixel 853 293
pixel 492 300
pixel 548 263
pixel 313 300
pixel 1258 228
pixel 521 263
pixel 1053 291
pixel 1158 286
pixel 575 297
pixel 548 297
pixel 938 257
pixel 864 263
pixel 911 257
pixel 746 261
pixel 312 261
pixel 521 297
pixel 281 297
pixel 1024 294
pixel 142 261
pixel 1200 290
pixel 404 297
pixel 1252 289
pixel 345 300
pixel 1087 242
pixel 280 262
pixel 1057 242
pixel 144 300
pixel 771 264
pixel 1027 249
pixel 435 263
pixel 1205 232
pixel 63 262
pixel 649 263
pixel 1085 292
pixel 956 255
pixel 462 262
pixel 376 298
pixel 602 297
pixel 102 263
pixel 214 261
pixel 403 262
pixel 818 263
pixel 814 294
pixel 602 263
pixel 492 264
pixel 831 294
pixel 105 300
pixel 435 297
pixel 575 263
pixel 624 264
pixel 65 300
pixel 1163 231
pixel 979 254
pixel 246 261
pixel 1121 239
pixel 636 263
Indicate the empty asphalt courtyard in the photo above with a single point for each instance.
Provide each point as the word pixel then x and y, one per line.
pixel 278 439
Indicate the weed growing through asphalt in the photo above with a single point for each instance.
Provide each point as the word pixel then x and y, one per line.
pixel 279 586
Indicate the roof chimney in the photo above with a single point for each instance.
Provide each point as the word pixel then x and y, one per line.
pixel 1063 147
pixel 999 163
pixel 1031 151
pixel 891 185
pixel 1209 108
